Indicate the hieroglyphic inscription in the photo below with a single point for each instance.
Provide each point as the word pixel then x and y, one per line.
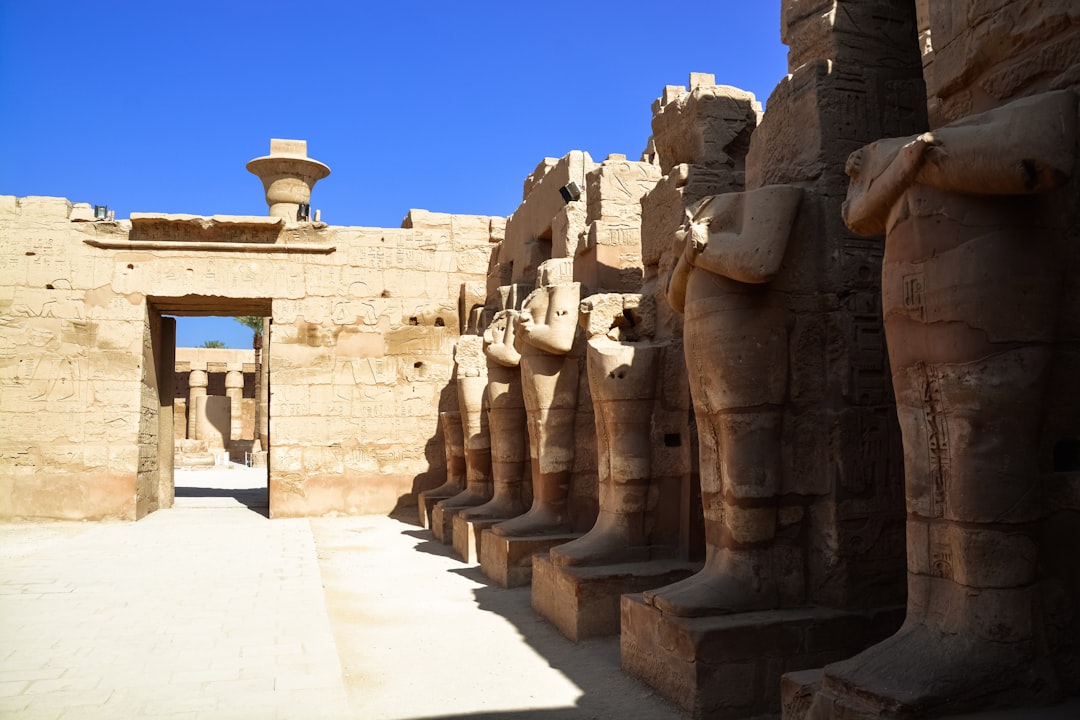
pixel 914 302
pixel 941 561
pixel 937 439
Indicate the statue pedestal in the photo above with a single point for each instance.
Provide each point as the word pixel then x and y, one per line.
pixel 583 601
pixel 442 522
pixel 467 536
pixel 729 666
pixel 507 561
pixel 426 502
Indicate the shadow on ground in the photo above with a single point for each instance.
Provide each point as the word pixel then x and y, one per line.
pixel 255 499
pixel 551 714
pixel 592 665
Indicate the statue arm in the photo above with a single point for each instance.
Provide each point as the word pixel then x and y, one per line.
pixel 680 274
pixel 748 240
pixel 1025 147
pixel 557 334
pixel 501 349
pixel 880 174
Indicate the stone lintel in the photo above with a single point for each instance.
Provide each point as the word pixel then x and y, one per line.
pixel 180 245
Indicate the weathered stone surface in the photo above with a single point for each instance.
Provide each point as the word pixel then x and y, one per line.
pixel 709 125
pixel 358 352
pixel 729 666
pixel 978 214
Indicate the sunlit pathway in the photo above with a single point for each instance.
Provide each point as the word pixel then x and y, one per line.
pixel 194 612
pixel 209 610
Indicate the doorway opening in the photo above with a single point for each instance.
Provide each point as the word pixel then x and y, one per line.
pixel 214 392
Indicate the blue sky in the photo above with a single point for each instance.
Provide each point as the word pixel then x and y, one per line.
pixel 157 106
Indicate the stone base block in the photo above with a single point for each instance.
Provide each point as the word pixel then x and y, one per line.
pixel 729 666
pixel 425 504
pixel 467 536
pixel 583 602
pixel 442 523
pixel 797 690
pixel 507 561
pixel 803 698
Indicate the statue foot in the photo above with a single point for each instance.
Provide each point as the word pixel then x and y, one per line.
pixel 540 520
pixel 922 670
pixel 599 547
pixel 469 498
pixel 740 585
pixel 442 493
pixel 494 510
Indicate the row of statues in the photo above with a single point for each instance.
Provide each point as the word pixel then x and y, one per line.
pixel 971 293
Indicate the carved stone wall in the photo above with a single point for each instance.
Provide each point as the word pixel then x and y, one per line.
pixel 362 325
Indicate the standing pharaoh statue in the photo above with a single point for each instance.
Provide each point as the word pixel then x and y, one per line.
pixel 975 222
pixel 471 387
pixel 980 299
pixel 622 362
pixel 546 336
pixel 736 346
pixel 506 422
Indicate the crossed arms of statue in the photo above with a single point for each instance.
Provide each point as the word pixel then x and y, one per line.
pixel 742 236
pixel 1025 147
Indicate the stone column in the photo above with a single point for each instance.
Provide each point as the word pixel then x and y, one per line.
pixel 197 382
pixel 234 390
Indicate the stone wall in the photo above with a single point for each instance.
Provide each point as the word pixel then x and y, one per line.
pixel 363 321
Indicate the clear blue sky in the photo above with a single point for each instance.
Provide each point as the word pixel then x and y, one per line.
pixel 156 106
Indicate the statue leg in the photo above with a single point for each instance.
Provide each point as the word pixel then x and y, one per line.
pixel 971 436
pixel 508 455
pixel 549 385
pixel 622 379
pixel 737 395
pixel 474 421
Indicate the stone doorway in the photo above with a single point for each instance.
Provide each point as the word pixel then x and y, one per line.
pixel 212 407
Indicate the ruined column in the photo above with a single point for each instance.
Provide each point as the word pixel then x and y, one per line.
pixel 234 390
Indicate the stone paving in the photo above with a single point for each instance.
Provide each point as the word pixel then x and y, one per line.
pixel 209 611
pixel 205 610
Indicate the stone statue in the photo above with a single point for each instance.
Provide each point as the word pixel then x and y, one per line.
pixel 546 335
pixel 506 422
pixel 471 386
pixel 736 349
pixel 454 446
pixel 971 287
pixel 622 364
